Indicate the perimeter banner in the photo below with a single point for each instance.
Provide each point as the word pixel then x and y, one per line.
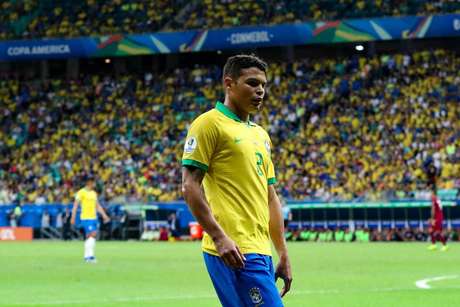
pixel 352 30
pixel 16 234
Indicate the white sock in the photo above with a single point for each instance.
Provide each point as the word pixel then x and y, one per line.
pixel 87 248
pixel 90 244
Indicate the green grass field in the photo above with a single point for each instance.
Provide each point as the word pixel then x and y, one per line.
pixel 173 274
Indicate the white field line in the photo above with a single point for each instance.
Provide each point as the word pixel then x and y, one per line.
pixel 207 296
pixel 423 283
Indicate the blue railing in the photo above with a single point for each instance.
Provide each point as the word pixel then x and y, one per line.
pixel 31 215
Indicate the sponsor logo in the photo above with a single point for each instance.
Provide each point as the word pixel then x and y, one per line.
pixel 456 24
pixel 7 234
pixel 38 50
pixel 238 140
pixel 255 295
pixel 190 144
pixel 249 37
pixel 267 146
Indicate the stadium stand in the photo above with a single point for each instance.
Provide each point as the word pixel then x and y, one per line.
pixel 218 14
pixel 352 128
pixel 34 19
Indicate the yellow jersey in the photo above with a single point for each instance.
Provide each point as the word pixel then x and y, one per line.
pixel 236 158
pixel 88 203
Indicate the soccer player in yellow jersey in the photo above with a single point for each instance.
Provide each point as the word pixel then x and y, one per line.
pixel 239 210
pixel 87 199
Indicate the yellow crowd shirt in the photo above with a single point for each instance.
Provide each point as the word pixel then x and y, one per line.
pixel 88 202
pixel 236 158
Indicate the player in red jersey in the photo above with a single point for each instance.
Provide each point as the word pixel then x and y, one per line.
pixel 436 223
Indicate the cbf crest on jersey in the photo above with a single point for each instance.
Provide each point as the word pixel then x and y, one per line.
pixel 267 146
pixel 256 296
pixel 190 144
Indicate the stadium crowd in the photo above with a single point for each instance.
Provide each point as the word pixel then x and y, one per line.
pixel 225 13
pixel 343 129
pixel 31 18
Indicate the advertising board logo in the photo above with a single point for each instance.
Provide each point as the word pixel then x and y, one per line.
pixel 38 50
pixel 250 37
pixel 7 234
pixel 456 24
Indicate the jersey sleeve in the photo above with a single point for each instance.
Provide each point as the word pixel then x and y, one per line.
pixel 78 196
pixel 271 173
pixel 200 143
pixel 271 168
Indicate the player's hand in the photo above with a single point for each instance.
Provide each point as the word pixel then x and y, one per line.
pixel 106 219
pixel 72 221
pixel 229 252
pixel 283 271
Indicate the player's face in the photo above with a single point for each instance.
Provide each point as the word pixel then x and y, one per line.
pixel 90 184
pixel 248 91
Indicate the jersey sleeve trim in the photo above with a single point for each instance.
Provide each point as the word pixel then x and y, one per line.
pixel 191 162
pixel 271 181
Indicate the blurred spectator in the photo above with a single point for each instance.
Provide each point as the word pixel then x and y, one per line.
pixel 287 214
pixel 59 223
pixel 164 234
pixel 5 196
pixel 173 224
pixel 150 234
pixel 409 234
pixel 40 199
pixel 15 216
pixel 66 225
pixel 45 222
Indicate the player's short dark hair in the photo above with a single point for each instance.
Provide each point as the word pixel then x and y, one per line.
pixel 89 177
pixel 236 63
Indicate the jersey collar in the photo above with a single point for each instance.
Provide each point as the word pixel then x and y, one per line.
pixel 227 112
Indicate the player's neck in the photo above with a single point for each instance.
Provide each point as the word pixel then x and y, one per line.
pixel 242 115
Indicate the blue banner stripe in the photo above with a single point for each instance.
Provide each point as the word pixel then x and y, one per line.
pixel 352 30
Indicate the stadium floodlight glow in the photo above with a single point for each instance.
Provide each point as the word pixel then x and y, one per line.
pixel 107 61
pixel 359 47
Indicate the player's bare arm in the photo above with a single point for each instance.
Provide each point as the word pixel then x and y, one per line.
pixel 194 197
pixel 74 212
pixel 283 269
pixel 101 210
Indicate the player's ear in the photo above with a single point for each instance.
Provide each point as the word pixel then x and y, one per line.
pixel 228 81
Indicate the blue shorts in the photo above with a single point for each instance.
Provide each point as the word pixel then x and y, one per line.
pixel 89 226
pixel 254 285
